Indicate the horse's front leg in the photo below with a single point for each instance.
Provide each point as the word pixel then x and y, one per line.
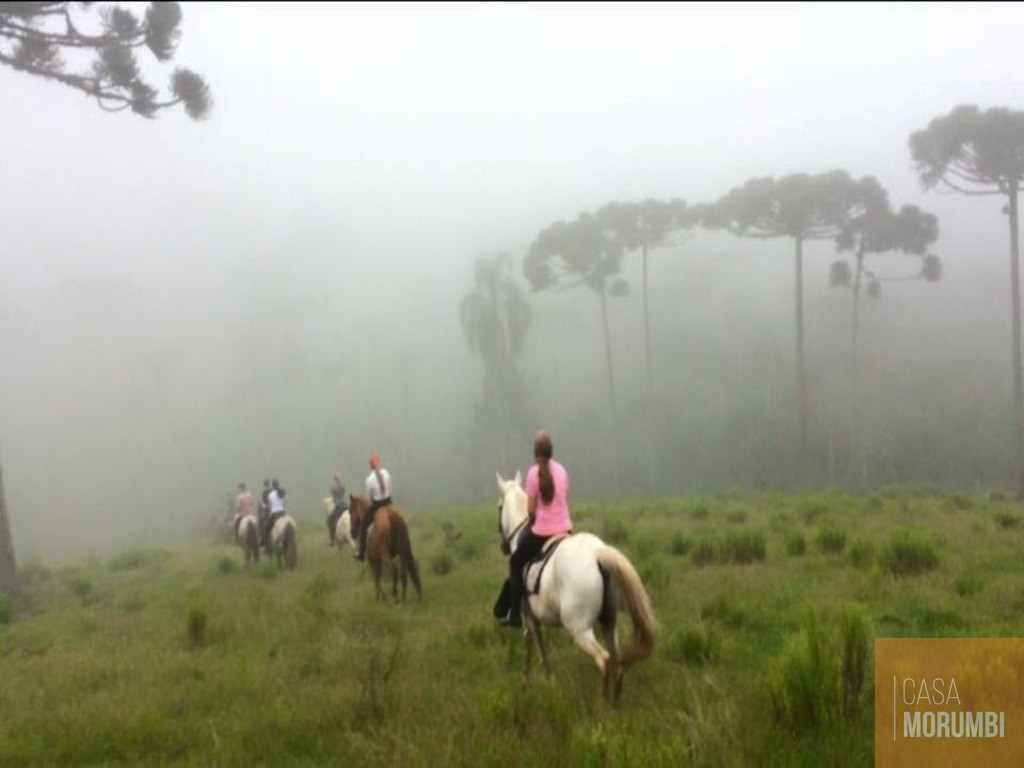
pixel 533 627
pixel 376 567
pixel 394 580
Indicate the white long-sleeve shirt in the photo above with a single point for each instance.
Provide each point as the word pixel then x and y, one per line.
pixel 373 489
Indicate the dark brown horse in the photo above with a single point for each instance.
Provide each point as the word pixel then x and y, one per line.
pixel 389 543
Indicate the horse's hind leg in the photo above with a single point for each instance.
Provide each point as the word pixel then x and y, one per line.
pixel 533 629
pixel 588 643
pixel 612 671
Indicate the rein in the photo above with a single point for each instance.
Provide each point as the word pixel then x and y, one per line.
pixel 506 542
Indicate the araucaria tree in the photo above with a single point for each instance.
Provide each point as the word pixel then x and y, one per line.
pixel 804 208
pixel 580 253
pixel 495 316
pixel 982 153
pixel 92 48
pixel 880 230
pixel 38 38
pixel 644 227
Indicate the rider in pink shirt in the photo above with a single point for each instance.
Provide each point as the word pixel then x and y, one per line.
pixel 547 490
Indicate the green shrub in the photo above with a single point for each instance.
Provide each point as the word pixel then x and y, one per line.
pixel 227 565
pixel 6 610
pixel 700 512
pixel 907 554
pixel 831 539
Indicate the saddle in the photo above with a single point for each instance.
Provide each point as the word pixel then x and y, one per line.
pixel 534 569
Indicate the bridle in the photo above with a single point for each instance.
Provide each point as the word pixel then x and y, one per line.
pixel 506 542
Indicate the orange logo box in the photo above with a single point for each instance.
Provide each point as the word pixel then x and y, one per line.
pixel 949 702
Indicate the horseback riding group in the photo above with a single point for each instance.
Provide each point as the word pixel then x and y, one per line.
pixel 272 530
pixel 555 578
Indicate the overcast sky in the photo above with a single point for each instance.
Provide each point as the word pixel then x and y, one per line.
pixel 383 147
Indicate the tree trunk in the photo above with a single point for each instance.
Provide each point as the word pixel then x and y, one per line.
pixel 801 383
pixel 8 567
pixel 647 326
pixel 857 453
pixel 611 387
pixel 649 406
pixel 1018 381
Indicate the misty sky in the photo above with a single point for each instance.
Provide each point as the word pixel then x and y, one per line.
pixel 358 158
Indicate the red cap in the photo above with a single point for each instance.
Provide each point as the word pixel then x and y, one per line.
pixel 374 458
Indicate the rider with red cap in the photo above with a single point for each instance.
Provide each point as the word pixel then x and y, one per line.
pixel 378 490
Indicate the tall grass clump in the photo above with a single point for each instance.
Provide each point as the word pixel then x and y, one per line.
pixel 831 539
pixel 908 554
pixel 735 547
pixel 441 564
pixel 315 594
pixel 742 548
pixel 134 559
pixel 82 588
pixel 227 565
pixel 695 644
pixel 819 680
pixel 615 532
pixel 196 620
pixel 796 545
pixel 678 545
pixel 862 553
pixel 1007 520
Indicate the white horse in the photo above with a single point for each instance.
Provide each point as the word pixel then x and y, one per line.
pixel 283 542
pixel 248 538
pixel 581 586
pixel 342 528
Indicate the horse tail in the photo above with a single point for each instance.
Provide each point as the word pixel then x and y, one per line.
pixel 634 596
pixel 403 546
pixel 291 550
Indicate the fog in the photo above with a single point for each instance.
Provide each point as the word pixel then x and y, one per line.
pixel 274 292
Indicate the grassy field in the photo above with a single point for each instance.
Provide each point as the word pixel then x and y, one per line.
pixel 767 606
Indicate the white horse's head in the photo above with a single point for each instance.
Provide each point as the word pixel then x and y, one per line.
pixel 512 508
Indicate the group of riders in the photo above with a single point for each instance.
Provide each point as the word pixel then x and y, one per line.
pixel 547 491
pixel 271 507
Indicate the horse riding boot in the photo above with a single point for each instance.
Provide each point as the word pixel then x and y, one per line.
pixel 514 618
pixel 363 530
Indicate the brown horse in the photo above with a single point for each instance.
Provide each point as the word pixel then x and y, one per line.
pixel 388 542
